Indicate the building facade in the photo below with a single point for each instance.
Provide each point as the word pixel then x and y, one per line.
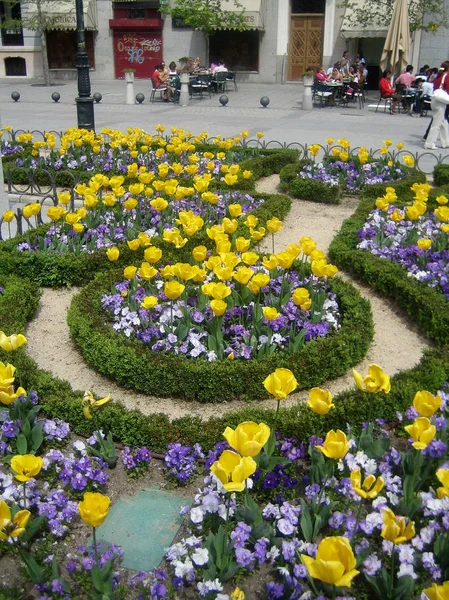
pixel 283 39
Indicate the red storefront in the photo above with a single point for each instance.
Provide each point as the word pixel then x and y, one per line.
pixel 137 31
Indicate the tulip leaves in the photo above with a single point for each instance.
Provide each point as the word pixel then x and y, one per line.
pixel 221 556
pixel 30 437
pixel 384 587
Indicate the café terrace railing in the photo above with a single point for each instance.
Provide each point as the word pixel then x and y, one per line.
pixel 41 185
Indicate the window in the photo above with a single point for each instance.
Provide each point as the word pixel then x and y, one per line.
pixel 239 50
pixel 308 6
pixel 62 48
pixel 10 16
pixel 15 66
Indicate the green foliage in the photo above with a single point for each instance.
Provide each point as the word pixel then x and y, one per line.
pixel 206 15
pixel 426 306
pixel 307 189
pixel 441 174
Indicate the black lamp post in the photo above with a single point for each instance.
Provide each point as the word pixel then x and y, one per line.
pixel 84 102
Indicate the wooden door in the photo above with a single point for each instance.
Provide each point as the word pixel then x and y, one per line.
pixel 306 43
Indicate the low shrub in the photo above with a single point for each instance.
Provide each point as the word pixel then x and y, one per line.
pixel 441 174
pixel 132 364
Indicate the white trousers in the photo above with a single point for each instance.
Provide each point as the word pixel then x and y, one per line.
pixel 439 125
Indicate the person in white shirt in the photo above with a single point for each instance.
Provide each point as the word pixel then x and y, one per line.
pixel 220 68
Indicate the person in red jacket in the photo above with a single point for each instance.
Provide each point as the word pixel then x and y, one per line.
pixel 387 91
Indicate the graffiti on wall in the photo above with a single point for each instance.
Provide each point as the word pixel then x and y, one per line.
pixel 139 51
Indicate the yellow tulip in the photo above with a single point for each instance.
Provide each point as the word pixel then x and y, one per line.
pixel 15 527
pixel 94 508
pixel 437 592
pixel 149 302
pixel 376 380
pixel 320 401
pixel 422 432
pixel 147 271
pixel 424 243
pixel 270 263
pixel 334 563
pixel 248 438
pixel 409 160
pixel 301 298
pixel 395 530
pixel 159 204
pixel 371 486
pixel 133 244
pixel 238 594
pixel 6 375
pixel 78 228
pixel 9 343
pixel 223 273
pixel 229 225
pixel 218 307
pixel 442 213
pixel 397 216
pixel 251 221
pixel 425 404
pixel 64 197
pixel 233 470
pixel 55 213
pixel 247 174
pixel 8 216
pixel 130 204
pixel 89 402
pixel 219 291
pixel 26 466
pixel 285 259
pixel 280 383
pixel 130 272
pixel 442 200
pixel 443 477
pixel 257 234
pixel 8 395
pixel 250 258
pixel 270 313
pixel 113 253
pixel 335 445
pixel 243 275
pixel 199 253
pixel 173 289
pixel 235 210
pixel 274 225
pixel 260 280
pixel 242 244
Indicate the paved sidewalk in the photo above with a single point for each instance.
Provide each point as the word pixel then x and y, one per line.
pixel 283 120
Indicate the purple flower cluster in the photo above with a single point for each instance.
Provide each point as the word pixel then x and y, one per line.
pixel 352 176
pixel 155 328
pixel 397 242
pixel 136 460
pixel 182 461
pixel 78 473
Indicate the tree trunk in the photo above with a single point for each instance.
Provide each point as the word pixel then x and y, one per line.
pixel 207 40
pixel 45 58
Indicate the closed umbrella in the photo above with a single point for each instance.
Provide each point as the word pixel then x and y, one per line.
pixel 396 52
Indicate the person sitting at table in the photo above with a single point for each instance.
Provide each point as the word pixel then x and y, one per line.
pixel 161 78
pixel 406 79
pixel 220 68
pixel 337 66
pixel 321 75
pixel 387 91
pixel 336 76
pixel 172 68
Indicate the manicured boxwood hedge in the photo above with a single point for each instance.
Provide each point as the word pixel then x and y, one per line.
pixel 426 306
pixel 56 270
pixel 18 303
pixel 133 365
pixel 307 189
pixel 441 174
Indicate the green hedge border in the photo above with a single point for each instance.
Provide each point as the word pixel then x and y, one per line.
pixel 17 306
pixel 426 306
pixel 307 189
pixel 133 365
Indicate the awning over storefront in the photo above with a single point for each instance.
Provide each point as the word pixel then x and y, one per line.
pixel 349 29
pixel 62 15
pixel 252 11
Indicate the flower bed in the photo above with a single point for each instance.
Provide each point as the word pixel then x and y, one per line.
pixel 426 306
pixel 169 374
pixel 342 171
pixel 279 517
pixel 415 238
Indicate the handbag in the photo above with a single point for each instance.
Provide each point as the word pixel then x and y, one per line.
pixel 441 95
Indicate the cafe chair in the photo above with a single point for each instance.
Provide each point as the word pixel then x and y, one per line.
pixel 387 103
pixel 322 93
pixel 231 77
pixel 157 90
pixel 201 84
pixel 219 81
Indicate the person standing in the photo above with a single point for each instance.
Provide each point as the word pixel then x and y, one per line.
pixel 439 126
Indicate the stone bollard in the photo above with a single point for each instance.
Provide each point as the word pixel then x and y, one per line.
pixel 129 78
pixel 307 101
pixel 184 95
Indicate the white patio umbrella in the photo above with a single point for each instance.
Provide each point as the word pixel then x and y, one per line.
pixel 396 52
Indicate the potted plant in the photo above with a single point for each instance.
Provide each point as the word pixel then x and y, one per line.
pixel 307 77
pixel 129 75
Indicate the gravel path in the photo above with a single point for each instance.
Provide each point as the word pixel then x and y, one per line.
pixel 397 343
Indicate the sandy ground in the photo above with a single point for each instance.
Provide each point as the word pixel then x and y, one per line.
pixel 397 344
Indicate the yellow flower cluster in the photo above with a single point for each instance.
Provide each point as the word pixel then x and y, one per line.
pixel 417 209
